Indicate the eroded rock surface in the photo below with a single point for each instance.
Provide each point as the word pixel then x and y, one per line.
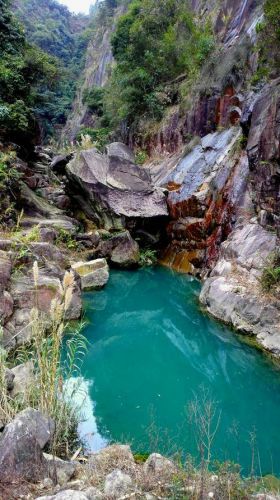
pixel 94 274
pixel 21 446
pixel 233 293
pixel 115 190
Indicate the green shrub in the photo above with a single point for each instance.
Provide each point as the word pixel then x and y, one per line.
pixel 141 157
pixel 270 278
pixel 269 42
pixel 99 136
pixel 148 257
pixel 155 41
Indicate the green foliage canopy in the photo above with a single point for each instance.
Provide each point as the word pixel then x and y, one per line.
pixel 155 42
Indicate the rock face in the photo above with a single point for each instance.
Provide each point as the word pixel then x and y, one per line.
pixel 232 292
pixel 94 274
pixel 115 191
pixel 262 119
pixel 205 187
pixel 21 445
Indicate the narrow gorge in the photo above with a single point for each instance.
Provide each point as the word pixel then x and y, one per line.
pixel 139 250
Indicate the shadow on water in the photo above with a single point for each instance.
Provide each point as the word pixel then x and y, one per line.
pixel 152 350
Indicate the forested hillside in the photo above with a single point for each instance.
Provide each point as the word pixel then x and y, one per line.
pixel 27 76
pixel 51 27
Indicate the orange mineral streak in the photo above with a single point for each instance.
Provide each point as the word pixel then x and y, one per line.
pixel 180 261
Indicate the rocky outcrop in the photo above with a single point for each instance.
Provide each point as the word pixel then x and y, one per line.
pixel 206 189
pixel 233 294
pixel 114 191
pixel 21 445
pixel 262 119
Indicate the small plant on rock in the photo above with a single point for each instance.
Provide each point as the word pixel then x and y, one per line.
pixel 270 279
pixel 148 257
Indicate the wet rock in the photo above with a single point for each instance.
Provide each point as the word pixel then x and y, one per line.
pixel 60 471
pixel 115 189
pixel 94 274
pixel 21 445
pixel 159 465
pixel 117 484
pixel 206 189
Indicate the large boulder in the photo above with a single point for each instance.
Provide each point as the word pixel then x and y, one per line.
pixel 112 189
pixel 94 274
pixel 121 250
pixel 21 445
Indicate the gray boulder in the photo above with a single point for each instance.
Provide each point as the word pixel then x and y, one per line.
pixel 94 274
pixel 159 465
pixel 23 377
pixel 60 471
pixel 21 446
pixel 114 189
pixel 121 250
pixel 120 150
pixel 117 484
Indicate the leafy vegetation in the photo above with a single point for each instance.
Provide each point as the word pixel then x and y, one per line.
pixel 148 257
pixel 26 73
pixel 47 392
pixel 98 136
pixel 154 43
pixel 54 30
pixel 270 279
pixel 269 42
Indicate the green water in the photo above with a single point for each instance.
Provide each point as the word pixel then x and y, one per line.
pixel 152 351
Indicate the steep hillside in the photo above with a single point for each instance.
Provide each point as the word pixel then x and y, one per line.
pixel 51 27
pixel 98 63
